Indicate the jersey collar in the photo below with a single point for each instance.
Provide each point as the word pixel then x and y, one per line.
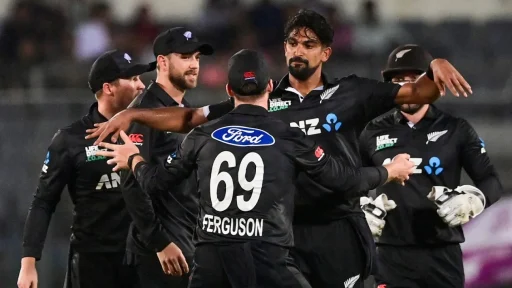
pixel 95 114
pixel 284 83
pixel 166 99
pixel 432 114
pixel 249 109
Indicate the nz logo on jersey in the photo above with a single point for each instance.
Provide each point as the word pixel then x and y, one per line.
pixel 434 166
pixel 309 126
pixel 243 136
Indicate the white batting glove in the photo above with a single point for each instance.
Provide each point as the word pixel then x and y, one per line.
pixel 458 206
pixel 375 211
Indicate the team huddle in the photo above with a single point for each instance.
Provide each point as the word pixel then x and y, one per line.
pixel 269 188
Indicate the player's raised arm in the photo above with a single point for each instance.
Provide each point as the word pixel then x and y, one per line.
pixel 173 119
pixel 152 178
pixel 431 84
pixel 156 178
pixel 436 74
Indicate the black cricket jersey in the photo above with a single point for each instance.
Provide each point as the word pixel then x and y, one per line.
pixel 162 218
pixel 333 115
pixel 440 145
pixel 100 219
pixel 246 164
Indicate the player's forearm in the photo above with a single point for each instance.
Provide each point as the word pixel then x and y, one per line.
pixel 141 210
pixel 350 180
pixel 36 228
pixel 423 91
pixel 173 119
pixel 491 187
pixel 148 176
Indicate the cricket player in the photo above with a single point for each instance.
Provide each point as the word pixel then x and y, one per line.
pixel 419 226
pixel 100 220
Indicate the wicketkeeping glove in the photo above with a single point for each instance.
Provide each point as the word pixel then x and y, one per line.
pixel 458 206
pixel 375 211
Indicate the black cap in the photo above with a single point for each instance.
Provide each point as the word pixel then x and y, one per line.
pixel 408 57
pixel 179 40
pixel 247 66
pixel 113 65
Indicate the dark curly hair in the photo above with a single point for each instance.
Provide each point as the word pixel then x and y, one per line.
pixel 313 21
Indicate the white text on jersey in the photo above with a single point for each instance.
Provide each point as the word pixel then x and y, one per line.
pixel 233 226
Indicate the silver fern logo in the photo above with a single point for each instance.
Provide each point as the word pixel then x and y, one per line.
pixel 432 137
pixel 401 54
pixel 350 282
pixel 327 94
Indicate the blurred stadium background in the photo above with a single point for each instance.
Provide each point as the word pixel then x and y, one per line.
pixel 47 47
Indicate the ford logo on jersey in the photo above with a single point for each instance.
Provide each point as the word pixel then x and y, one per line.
pixel 243 136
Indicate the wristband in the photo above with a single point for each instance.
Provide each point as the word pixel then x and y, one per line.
pixel 430 73
pixel 130 160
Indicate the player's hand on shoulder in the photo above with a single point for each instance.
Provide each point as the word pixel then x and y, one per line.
pixel 120 122
pixel 119 153
pixel 172 260
pixel 375 211
pixel 28 275
pixel 400 168
pixel 458 206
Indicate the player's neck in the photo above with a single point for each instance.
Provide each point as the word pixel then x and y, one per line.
pixel 175 93
pixel 261 101
pixel 416 117
pixel 106 110
pixel 306 86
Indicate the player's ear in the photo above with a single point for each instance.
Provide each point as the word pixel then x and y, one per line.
pixel 229 91
pixel 270 86
pixel 326 53
pixel 160 60
pixel 107 89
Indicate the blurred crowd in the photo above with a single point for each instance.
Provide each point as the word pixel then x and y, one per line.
pixel 36 37
pixel 53 46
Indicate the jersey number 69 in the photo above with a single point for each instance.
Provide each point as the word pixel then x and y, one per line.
pixel 255 184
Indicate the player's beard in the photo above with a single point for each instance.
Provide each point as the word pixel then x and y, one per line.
pixel 301 73
pixel 180 82
pixel 410 108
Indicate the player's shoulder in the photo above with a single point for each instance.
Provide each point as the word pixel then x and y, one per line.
pixel 351 79
pixel 65 135
pixel 146 99
pixel 383 121
pixel 447 118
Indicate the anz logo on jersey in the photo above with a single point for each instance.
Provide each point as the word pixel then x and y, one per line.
pixel 243 136
pixel 309 126
pixel 433 167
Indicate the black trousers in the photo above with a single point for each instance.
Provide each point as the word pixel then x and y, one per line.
pixel 151 274
pixel 337 254
pixel 244 265
pixel 418 267
pixel 99 270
